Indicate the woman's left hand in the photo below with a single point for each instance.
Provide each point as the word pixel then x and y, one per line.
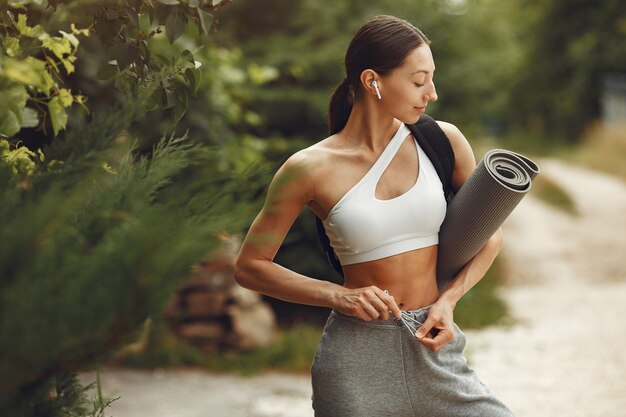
pixel 440 319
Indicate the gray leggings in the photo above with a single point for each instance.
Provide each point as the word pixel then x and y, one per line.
pixel 378 369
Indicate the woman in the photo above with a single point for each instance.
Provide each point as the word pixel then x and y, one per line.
pixel 382 205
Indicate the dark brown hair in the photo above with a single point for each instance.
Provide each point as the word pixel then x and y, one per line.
pixel 381 45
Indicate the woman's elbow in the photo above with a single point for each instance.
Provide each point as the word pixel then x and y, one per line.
pixel 241 273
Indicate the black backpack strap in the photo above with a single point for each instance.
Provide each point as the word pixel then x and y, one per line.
pixel 328 250
pixel 436 146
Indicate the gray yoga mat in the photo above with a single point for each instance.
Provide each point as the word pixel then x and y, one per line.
pixel 499 182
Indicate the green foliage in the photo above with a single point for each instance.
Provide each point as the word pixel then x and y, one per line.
pixel 101 235
pixel 30 60
pixel 567 48
pixel 551 193
pixel 95 247
pixel 33 87
pixel 61 396
pixel 482 306
pixel 293 351
pixel 22 160
pixel 474 60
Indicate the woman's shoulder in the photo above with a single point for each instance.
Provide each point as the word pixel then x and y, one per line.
pixel 458 141
pixel 464 160
pixel 310 163
pixel 313 157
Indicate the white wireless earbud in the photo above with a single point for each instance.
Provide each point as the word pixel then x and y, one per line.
pixel 375 85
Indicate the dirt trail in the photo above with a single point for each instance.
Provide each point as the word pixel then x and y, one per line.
pixel 564 354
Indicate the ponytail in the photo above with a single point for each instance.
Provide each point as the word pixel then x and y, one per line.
pixel 381 45
pixel 340 107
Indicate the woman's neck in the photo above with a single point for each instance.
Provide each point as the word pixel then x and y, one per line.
pixel 369 126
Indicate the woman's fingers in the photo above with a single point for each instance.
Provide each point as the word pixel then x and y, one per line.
pixel 373 304
pixel 442 334
pixel 391 304
pixel 370 303
pixel 435 343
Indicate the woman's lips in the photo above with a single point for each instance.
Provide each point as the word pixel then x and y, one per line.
pixel 421 109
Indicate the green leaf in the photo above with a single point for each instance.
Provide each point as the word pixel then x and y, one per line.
pixel 124 54
pixel 30 118
pixel 11 46
pixel 77 31
pixel 22 25
pixel 193 78
pixel 106 72
pixel 13 97
pixel 18 4
pixel 107 29
pixel 71 38
pixel 65 97
pixel 34 32
pixel 175 26
pixel 215 2
pixel 206 19
pixel 9 123
pixel 155 101
pixel 58 46
pixel 163 60
pixel 29 71
pixel 186 55
pixel 169 2
pixel 68 63
pixel 179 110
pixel 52 63
pixel 58 115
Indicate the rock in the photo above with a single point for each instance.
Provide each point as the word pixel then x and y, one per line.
pixel 204 304
pixel 213 312
pixel 201 332
pixel 243 297
pixel 253 326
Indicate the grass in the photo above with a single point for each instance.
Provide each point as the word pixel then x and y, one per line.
pixel 295 347
pixel 602 149
pixel 553 194
pixel 482 306
pixel 293 351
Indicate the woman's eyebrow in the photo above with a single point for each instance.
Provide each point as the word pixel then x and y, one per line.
pixel 422 70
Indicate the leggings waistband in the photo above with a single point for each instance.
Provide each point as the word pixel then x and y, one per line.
pixel 392 323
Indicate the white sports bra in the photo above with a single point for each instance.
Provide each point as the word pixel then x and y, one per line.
pixel 363 228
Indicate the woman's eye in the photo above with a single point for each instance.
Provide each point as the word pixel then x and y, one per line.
pixel 419 85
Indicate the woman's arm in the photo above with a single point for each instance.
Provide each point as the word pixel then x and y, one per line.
pixel 477 267
pixel 291 189
pixel 440 315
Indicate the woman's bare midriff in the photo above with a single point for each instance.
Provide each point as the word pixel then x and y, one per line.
pixel 409 277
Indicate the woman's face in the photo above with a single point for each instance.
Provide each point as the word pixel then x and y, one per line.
pixel 407 90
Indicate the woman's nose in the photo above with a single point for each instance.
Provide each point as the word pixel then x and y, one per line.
pixel 432 94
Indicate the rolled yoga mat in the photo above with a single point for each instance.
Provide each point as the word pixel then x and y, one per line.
pixel 497 184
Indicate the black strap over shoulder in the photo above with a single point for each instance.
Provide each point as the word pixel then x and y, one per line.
pixel 436 146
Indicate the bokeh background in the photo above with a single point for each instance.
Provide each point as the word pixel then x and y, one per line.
pixel 137 141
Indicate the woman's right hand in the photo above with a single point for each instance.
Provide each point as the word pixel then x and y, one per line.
pixel 367 303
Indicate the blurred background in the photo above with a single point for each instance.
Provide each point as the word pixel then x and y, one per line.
pixel 138 139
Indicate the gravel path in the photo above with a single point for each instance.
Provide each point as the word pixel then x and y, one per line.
pixel 564 354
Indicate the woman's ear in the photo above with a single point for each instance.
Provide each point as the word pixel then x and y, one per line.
pixel 367 79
